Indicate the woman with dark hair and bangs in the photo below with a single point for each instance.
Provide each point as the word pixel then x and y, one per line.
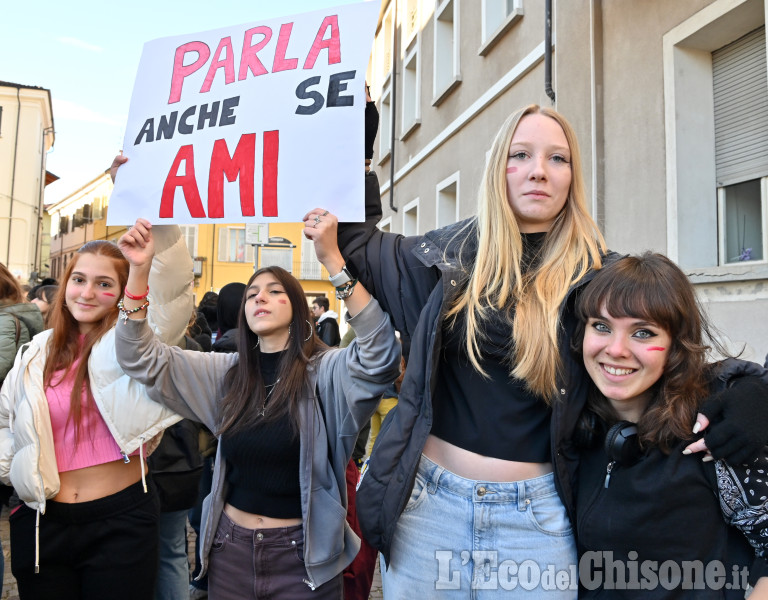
pixel 75 431
pixel 642 496
pixel 44 297
pixel 287 411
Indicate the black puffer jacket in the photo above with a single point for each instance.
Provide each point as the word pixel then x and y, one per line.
pixel 414 279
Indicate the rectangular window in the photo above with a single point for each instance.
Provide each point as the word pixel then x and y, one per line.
pixel 232 246
pixel 446 68
pixel 497 17
pixel 310 266
pixel 411 218
pixel 742 214
pixel 277 257
pixel 411 85
pixel 716 124
pixel 741 152
pixel 448 201
pixel 411 20
pixel 189 233
pixel 385 42
pixel 385 116
pixel 97 208
pixel 385 224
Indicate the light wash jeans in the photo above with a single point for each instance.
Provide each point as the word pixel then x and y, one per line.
pixel 173 568
pixel 459 538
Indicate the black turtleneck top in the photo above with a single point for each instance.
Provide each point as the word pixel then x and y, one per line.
pixel 493 416
pixel 263 459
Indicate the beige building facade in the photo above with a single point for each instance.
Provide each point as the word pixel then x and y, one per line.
pixel 26 135
pixel 669 101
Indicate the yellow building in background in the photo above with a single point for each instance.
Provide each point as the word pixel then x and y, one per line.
pixel 220 252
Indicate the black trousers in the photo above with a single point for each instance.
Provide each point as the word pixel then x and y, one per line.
pixel 106 548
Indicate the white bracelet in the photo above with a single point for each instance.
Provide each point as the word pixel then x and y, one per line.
pixel 341 278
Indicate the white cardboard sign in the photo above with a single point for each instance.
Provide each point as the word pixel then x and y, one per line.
pixel 253 123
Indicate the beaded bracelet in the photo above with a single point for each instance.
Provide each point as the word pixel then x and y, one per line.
pixel 345 291
pixel 125 312
pixel 132 297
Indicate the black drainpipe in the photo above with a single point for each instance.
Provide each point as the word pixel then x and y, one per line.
pixel 393 113
pixel 548 52
pixel 13 178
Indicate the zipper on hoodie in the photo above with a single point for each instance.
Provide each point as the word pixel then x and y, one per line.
pixel 608 470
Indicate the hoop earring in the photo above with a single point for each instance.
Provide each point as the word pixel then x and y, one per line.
pixel 258 340
pixel 311 331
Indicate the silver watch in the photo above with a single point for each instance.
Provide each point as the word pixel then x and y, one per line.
pixel 341 278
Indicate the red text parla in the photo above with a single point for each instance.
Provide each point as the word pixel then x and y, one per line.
pixel 254 41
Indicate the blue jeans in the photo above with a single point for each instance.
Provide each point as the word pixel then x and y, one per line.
pixel 459 538
pixel 173 569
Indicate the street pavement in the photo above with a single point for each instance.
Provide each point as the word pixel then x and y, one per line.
pixel 11 592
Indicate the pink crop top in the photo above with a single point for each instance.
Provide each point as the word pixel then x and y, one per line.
pixel 97 446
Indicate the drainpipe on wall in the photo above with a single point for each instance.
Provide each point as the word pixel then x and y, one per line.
pixel 213 253
pixel 393 115
pixel 38 241
pixel 13 178
pixel 548 51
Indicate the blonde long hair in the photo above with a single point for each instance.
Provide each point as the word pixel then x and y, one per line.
pixel 571 248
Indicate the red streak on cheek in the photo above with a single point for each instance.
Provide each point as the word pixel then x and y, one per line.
pixel 283 301
pixel 511 169
pixel 108 294
pixel 656 348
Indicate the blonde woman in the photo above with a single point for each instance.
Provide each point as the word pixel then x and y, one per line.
pixel 470 485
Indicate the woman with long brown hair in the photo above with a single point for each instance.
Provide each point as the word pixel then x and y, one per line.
pixel 75 431
pixel 287 411
pixel 644 502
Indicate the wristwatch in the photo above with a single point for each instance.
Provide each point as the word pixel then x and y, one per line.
pixel 341 278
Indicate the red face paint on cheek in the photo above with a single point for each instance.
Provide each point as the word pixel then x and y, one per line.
pixel 108 295
pixel 656 348
pixel 283 301
pixel 511 169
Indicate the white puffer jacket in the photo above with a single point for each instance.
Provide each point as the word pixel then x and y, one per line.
pixel 27 456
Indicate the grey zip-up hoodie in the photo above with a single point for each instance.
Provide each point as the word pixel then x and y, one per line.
pixel 343 390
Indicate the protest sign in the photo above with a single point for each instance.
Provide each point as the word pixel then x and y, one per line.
pixel 252 123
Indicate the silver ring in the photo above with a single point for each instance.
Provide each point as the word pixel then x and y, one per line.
pixel 325 213
pixel 317 220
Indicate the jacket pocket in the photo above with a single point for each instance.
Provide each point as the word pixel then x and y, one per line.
pixel 326 530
